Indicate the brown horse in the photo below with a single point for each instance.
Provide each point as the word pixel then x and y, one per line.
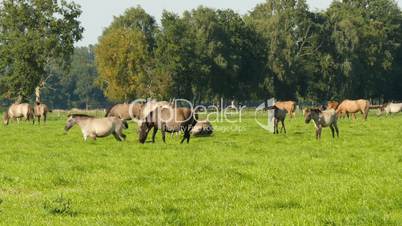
pixel 18 111
pixel 163 116
pixel 125 111
pixel 332 105
pixel 41 110
pixel 352 107
pixel 289 106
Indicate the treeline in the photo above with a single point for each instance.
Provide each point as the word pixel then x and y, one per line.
pixel 281 49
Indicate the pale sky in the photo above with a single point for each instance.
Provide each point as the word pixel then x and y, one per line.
pixel 98 14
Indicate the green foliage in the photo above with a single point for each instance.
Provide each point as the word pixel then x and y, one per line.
pixel 124 57
pixel 34 33
pixel 78 87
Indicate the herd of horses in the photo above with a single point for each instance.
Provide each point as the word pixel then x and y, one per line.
pixel 165 117
pixel 26 111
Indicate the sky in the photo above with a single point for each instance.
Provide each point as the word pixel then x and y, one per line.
pixel 98 14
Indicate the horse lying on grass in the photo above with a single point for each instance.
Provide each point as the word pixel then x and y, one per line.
pixel 97 127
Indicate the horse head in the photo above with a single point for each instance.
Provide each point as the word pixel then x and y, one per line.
pixel 311 114
pixel 6 118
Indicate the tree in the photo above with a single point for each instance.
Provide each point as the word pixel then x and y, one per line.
pixel 124 57
pixel 78 87
pixel 34 33
pixel 288 31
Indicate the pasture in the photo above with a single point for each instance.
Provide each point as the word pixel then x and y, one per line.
pixel 241 175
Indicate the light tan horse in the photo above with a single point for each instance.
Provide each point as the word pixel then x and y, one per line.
pixel 41 110
pixel 125 111
pixel 97 127
pixel 202 128
pixel 321 120
pixel 18 111
pixel 391 108
pixel 352 107
pixel 289 106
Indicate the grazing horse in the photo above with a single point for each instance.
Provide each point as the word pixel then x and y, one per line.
pixel 202 128
pixel 279 116
pixel 163 116
pixel 322 119
pixel 97 127
pixel 391 108
pixel 353 106
pixel 289 106
pixel 332 105
pixel 41 110
pixel 125 111
pixel 18 111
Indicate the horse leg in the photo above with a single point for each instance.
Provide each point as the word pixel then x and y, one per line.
pixel 163 135
pixel 332 131
pixel 283 126
pixel 44 118
pixel 117 137
pixel 39 120
pixel 336 129
pixel 186 135
pixel 319 133
pixel 154 134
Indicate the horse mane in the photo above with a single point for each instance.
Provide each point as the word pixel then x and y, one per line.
pixel 108 111
pixel 80 115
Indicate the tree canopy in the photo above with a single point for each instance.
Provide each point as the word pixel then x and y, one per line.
pixel 279 49
pixel 34 34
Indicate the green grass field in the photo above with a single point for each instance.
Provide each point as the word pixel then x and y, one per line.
pixel 236 177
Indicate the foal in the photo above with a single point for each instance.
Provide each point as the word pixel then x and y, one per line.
pixel 322 119
pixel 279 116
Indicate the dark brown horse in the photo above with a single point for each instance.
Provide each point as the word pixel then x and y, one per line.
pixel 164 117
pixel 279 116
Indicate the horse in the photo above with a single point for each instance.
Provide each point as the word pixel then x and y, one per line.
pixel 353 106
pixel 332 105
pixel 202 128
pixel 289 106
pixel 163 116
pixel 321 120
pixel 41 110
pixel 125 111
pixel 279 116
pixel 18 111
pixel 97 127
pixel 391 108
